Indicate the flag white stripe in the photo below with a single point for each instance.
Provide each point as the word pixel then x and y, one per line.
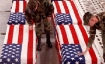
pixel 97 54
pixel 15 34
pixel 13 6
pixel 71 11
pixel 55 9
pixel 82 44
pixel 25 45
pixel 59 34
pixel 21 6
pixel 61 7
pixel 69 34
pixel 34 46
pixel 80 10
pixel 6 36
pixel 95 48
pixel 74 20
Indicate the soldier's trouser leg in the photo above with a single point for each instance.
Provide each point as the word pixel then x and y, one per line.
pixel 48 42
pixel 103 40
pixel 38 35
pixel 47 28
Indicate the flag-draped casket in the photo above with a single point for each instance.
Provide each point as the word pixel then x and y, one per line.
pixel 19 45
pixel 77 35
pixel 70 32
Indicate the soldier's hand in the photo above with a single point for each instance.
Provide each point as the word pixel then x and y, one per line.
pixel 83 52
pixel 30 27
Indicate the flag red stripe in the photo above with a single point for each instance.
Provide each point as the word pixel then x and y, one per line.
pixel 72 28
pixel 58 46
pixel 83 31
pixel 30 48
pixel 57 7
pixel 76 13
pixel 64 36
pixel 66 7
pixel 74 34
pixel 17 6
pixel 24 6
pixel 10 34
pixel 92 53
pixel 58 41
pixel 20 36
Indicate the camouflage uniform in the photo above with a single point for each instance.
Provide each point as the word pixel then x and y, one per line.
pixel 44 10
pixel 100 26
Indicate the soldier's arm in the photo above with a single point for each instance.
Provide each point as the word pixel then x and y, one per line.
pixel 92 33
pixel 29 21
pixel 28 16
pixel 51 10
pixel 90 41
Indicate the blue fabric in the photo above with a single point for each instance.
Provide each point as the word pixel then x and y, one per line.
pixel 11 54
pixel 63 19
pixel 16 18
pixel 69 54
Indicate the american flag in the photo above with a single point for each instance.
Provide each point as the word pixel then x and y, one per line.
pixel 63 19
pixel 19 0
pixel 74 33
pixel 68 7
pixel 19 6
pixel 69 53
pixel 19 45
pixel 11 54
pixel 16 18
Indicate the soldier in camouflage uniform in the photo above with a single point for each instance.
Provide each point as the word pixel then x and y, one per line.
pixel 37 11
pixel 95 22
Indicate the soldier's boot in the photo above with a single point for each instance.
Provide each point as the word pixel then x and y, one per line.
pixel 48 42
pixel 104 57
pixel 39 44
